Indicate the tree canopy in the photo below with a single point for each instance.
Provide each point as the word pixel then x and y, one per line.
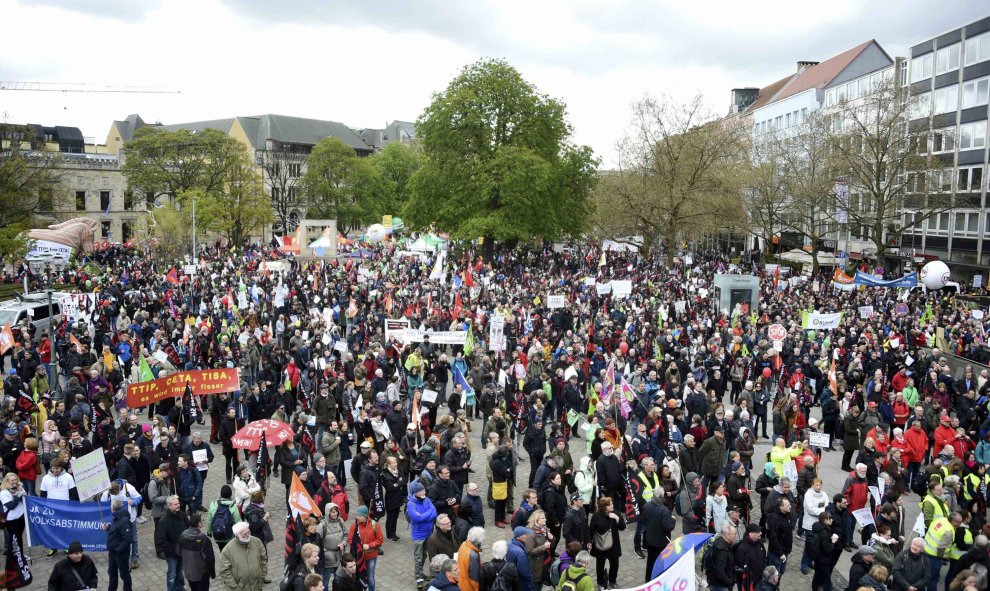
pixel 29 177
pixel 498 162
pixel 341 185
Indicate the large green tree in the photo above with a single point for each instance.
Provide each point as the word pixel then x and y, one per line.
pixel 396 165
pixel 238 210
pixel 498 161
pixel 341 185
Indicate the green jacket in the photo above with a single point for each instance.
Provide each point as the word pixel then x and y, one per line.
pixel 234 512
pixel 574 572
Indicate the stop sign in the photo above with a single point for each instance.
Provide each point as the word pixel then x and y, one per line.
pixel 777 332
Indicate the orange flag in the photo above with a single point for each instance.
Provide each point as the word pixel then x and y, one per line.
pixel 6 339
pixel 301 504
pixel 75 341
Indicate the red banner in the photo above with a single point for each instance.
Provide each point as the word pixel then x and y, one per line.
pixel 204 381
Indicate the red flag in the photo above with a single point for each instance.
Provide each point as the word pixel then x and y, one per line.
pixel 458 306
pixel 468 279
pixel 261 466
pixel 172 277
pixel 388 304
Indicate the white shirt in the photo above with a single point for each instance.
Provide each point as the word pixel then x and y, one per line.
pixel 18 511
pixel 58 487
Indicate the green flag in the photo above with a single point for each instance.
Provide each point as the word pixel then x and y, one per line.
pixel 144 371
pixel 469 342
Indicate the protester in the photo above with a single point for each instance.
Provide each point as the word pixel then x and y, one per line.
pixel 75 571
pixel 366 535
pixel 222 517
pixel 119 539
pixel 197 557
pixel 244 562
pixel 168 532
pixel 128 495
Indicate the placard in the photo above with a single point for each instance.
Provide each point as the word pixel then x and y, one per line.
pixel 91 474
pixel 603 288
pixel 340 346
pixel 816 439
pixel 875 491
pixel 78 305
pixel 160 356
pixel 866 312
pixel 189 270
pixel 863 516
pixel 429 396
pixel 790 471
pixel 199 456
pixel 555 301
pixel 621 288
pixel 978 314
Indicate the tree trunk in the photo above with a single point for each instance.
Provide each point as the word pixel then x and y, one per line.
pixel 488 248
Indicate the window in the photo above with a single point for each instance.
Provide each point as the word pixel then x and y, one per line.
pixel 46 199
pixel 921 107
pixel 975 92
pixel 851 91
pixel 787 120
pixel 904 73
pixel 104 200
pixel 943 140
pixel 973 135
pixel 128 200
pixel 921 68
pixel 947 58
pixel 804 114
pixel 967 224
pixel 970 178
pixel 80 200
pixel 830 97
pixel 295 170
pixel 861 87
pixel 946 99
pixel 977 49
pixel 938 224
pixel 105 230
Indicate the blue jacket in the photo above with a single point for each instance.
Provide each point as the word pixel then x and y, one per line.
pixel 422 514
pixel 190 483
pixel 119 534
pixel 478 513
pixel 983 453
pixel 517 555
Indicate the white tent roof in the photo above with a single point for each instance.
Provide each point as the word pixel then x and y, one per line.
pixel 799 256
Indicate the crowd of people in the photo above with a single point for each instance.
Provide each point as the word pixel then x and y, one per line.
pixel 633 411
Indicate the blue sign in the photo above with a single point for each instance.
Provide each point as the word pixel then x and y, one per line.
pixel 906 282
pixel 54 524
pixel 675 549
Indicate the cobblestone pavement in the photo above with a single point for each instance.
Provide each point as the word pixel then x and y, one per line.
pixel 395 569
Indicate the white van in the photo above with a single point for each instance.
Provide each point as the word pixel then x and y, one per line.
pixel 32 308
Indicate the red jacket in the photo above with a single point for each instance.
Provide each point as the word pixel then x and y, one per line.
pixel 856 491
pixel 905 446
pixel 944 435
pixel 962 446
pixel 898 381
pixel 918 441
pixel 371 534
pixel 27 465
pixel 902 410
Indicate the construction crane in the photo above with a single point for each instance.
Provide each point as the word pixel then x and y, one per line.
pixel 82 87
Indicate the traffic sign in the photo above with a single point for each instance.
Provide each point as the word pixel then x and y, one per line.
pixel 901 309
pixel 777 332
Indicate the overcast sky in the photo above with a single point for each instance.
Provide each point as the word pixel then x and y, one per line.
pixel 366 63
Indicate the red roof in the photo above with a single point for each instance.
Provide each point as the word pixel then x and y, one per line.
pixel 819 76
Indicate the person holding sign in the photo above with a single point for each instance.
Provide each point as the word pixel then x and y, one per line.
pixel 857 493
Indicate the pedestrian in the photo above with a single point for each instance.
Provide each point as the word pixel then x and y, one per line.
pixel 396 493
pixel 131 498
pixel 862 562
pixel 189 483
pixel 74 572
pixel 750 559
pixel 244 562
pixel 779 535
pixel 722 566
pixel 577 574
pixel 258 519
pixel 469 560
pixel 119 546
pixel 167 533
pixel 345 579
pixel 58 484
pixel 309 562
pixel 160 488
pixel 196 552
pixel 659 525
pixel 911 570
pixel 221 517
pixel 369 533
pixel 605 544
pixel 446 578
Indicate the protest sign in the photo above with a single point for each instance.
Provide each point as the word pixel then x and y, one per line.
pixel 790 471
pixel 875 491
pixel 819 439
pixel 820 320
pixel 77 306
pixel 621 288
pixel 603 288
pixel 496 333
pixel 340 346
pixel 555 301
pixel 429 396
pixel 863 516
pixel 54 524
pixel 90 473
pixel 866 312
pixel 203 381
pixel 199 456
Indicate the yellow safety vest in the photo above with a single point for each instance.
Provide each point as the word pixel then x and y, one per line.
pixel 936 532
pixel 954 552
pixel 938 506
pixel 647 485
pixel 974 481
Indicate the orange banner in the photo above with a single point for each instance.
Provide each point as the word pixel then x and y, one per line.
pixel 204 381
pixel 840 277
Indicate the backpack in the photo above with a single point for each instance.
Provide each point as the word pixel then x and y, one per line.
pixel 570 584
pixel 287 581
pixel 707 558
pixel 677 503
pixel 222 527
pixel 145 497
pixel 555 572
pixel 499 583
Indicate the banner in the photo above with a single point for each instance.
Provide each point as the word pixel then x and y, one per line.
pixel 77 305
pixel 633 485
pixel 863 516
pixel 819 439
pixel 820 320
pixel 840 277
pixel 53 524
pixel 496 333
pixel 90 473
pixel 17 571
pixel 866 312
pixel 555 301
pixel 202 381
pixel 906 282
pixel 621 288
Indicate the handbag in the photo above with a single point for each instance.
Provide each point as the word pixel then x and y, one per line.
pixel 603 541
pixel 500 490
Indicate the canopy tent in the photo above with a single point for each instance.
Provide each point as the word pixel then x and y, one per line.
pixel 428 243
pixel 825 259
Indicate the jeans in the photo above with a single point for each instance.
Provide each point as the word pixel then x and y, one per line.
pixel 371 573
pixel 777 562
pixel 652 553
pixel 805 557
pixel 117 564
pixel 328 574
pixel 135 553
pixel 29 487
pixel 419 557
pixel 173 578
pixel 936 564
pixel 850 529
pixel 638 537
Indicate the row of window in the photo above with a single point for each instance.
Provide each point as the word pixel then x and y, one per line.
pixel 965 179
pixel 129 200
pixel 962 224
pixel 855 89
pixel 782 121
pixel 975 93
pixel 948 58
pixel 970 136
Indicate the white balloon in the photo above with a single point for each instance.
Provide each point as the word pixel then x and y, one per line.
pixel 935 275
pixel 375 233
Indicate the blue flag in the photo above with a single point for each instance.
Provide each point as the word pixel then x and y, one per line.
pixel 459 379
pixel 54 524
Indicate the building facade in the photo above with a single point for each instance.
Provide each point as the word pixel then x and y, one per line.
pixel 950 73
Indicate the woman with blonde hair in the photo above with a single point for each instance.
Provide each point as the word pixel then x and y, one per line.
pixel 542 539
pixel 12 498
pixel 876 579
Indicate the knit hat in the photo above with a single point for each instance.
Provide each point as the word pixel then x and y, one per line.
pixel 558 441
pixel 363 511
pixel 225 491
pixel 864 550
pixel 753 528
pixel 74 547
pixel 736 466
pixel 415 487
pixel 691 477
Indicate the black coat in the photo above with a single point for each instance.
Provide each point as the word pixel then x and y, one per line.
pixel 490 570
pixel 119 534
pixel 62 578
pixel 750 559
pixel 395 490
pixel 601 523
pixel 659 524
pixel 779 533
pixel 722 572
pixel 554 504
pixel 575 526
pixel 857 571
pixel 609 470
pixel 368 483
pixel 167 533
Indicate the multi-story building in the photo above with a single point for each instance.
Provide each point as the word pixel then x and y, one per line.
pixel 950 74
pixel 396 131
pixel 89 184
